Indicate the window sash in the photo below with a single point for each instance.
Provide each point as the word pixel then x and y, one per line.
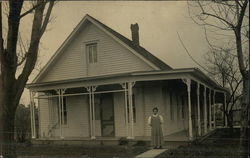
pixel 171 106
pixel 63 111
pixel 92 52
pixel 133 107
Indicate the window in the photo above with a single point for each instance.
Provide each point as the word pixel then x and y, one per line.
pixel 171 106
pixel 92 52
pixel 133 105
pixel 177 106
pixel 63 111
pixel 182 105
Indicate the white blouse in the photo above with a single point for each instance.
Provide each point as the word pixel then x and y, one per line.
pixel 149 119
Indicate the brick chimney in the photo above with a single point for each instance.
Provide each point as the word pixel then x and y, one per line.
pixel 135 33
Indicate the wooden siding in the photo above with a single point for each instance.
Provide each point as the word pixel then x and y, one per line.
pixel 44 120
pixel 139 107
pixel 159 97
pixel 152 99
pixel 77 117
pixel 119 112
pixel 146 98
pixel 112 58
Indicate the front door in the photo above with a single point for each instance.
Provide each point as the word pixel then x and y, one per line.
pixel 107 115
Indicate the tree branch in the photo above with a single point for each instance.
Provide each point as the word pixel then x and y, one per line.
pixel 38 28
pixel 47 17
pixel 215 16
pixel 31 9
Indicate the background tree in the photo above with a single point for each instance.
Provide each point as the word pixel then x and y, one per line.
pixel 229 18
pixel 222 66
pixel 22 123
pixel 14 55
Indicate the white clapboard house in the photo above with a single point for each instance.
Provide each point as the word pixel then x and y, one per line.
pixel 100 85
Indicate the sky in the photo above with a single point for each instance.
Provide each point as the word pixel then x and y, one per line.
pixel 158 22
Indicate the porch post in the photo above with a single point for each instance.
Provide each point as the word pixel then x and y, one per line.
pixel 60 112
pixel 214 105
pixel 124 86
pixel 205 108
pixel 210 110
pixel 198 109
pixel 225 117
pixel 89 89
pixel 130 102
pixel 34 118
pixel 190 126
pixel 93 106
pixel 31 115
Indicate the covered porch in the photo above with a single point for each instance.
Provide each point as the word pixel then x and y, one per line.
pixel 131 99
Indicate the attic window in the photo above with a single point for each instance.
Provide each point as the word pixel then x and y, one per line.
pixel 92 52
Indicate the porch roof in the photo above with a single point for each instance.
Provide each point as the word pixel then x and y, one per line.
pixel 192 73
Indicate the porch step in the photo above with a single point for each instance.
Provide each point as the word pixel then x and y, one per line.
pixel 151 153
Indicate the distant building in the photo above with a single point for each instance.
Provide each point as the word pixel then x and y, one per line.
pixel 99 85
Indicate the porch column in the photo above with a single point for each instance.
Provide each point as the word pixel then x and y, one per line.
pixel 32 115
pixel 60 111
pixel 124 86
pixel 225 103
pixel 131 112
pixel 205 108
pixel 210 110
pixel 190 126
pixel 93 105
pixel 198 109
pixel 214 111
pixel 89 89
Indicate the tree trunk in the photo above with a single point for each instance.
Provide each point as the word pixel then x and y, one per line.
pixel 9 146
pixel 244 118
pixel 11 85
pixel 9 106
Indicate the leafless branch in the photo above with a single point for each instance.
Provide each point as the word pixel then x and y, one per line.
pixel 31 9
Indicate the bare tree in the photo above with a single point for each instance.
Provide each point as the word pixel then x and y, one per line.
pixel 229 18
pixel 14 54
pixel 222 66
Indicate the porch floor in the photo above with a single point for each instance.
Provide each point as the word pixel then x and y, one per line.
pixel 178 136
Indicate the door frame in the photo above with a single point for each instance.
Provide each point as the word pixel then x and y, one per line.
pixel 101 112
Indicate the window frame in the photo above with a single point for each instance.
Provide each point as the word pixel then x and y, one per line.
pixel 171 105
pixel 133 106
pixel 64 111
pixel 92 58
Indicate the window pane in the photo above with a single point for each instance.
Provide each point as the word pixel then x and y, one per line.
pixel 64 110
pixel 90 54
pixel 94 53
pixel 171 106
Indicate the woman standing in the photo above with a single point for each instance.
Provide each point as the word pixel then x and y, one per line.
pixel 155 121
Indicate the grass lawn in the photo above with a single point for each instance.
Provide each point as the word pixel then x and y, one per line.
pixel 76 151
pixel 224 143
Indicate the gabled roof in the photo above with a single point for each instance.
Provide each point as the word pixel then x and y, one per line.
pixel 122 39
pixel 142 51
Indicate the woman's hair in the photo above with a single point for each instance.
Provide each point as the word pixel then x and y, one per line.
pixel 155 109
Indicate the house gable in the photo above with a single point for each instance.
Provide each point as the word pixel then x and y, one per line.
pixel 116 54
pixel 112 57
